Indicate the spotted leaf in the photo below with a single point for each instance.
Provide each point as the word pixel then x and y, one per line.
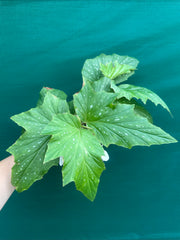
pixel 80 150
pixel 90 104
pixel 103 84
pixel 56 92
pixel 113 71
pixel 138 108
pixel 130 91
pixel 29 150
pixel 35 119
pixel 92 70
pixel 121 126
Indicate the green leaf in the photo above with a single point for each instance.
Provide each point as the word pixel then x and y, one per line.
pixel 80 150
pixel 29 151
pixel 130 91
pixel 90 104
pixel 120 126
pixel 113 71
pixel 103 84
pixel 58 93
pixel 91 70
pixel 123 127
pixel 36 118
pixel 123 77
pixel 139 109
pixel 71 107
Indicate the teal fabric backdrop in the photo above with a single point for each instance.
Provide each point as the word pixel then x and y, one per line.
pixel 45 43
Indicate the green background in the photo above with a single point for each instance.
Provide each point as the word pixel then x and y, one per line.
pixel 45 43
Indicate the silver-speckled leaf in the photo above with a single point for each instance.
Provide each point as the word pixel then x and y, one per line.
pixel 89 105
pixel 29 150
pixel 130 91
pixel 138 108
pixel 103 84
pixel 35 119
pixel 114 70
pixel 56 92
pixel 91 70
pixel 81 152
pixel 121 126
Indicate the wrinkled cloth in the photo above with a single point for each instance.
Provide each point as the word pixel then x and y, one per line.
pixel 45 43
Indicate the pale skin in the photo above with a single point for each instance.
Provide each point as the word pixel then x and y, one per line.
pixel 6 188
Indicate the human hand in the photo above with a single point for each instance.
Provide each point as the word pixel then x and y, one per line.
pixel 6 188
